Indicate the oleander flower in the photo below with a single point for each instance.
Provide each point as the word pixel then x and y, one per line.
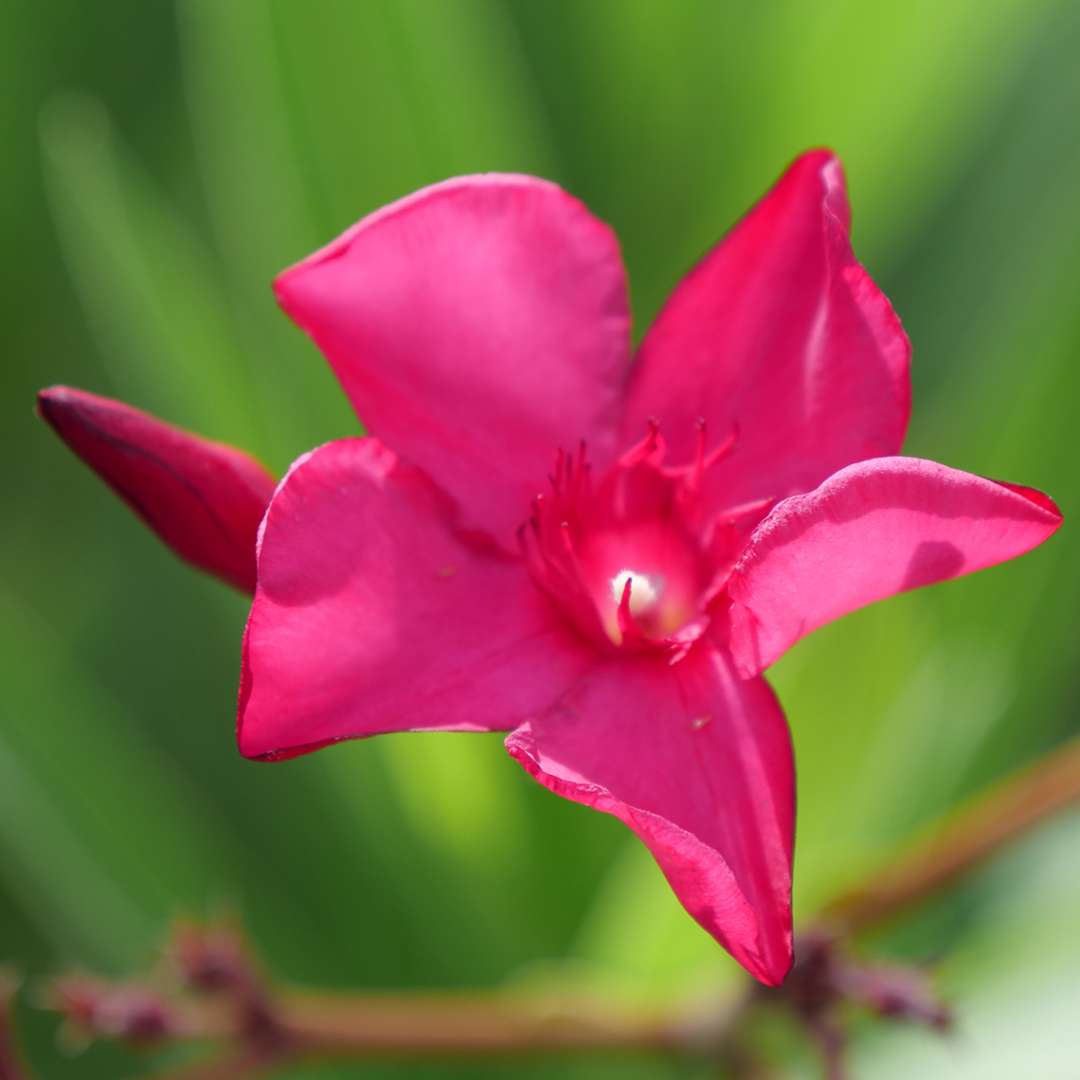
pixel 599 557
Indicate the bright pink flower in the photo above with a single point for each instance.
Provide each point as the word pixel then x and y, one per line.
pixel 598 558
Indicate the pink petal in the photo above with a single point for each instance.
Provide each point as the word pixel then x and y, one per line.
pixel 698 763
pixel 874 529
pixel 780 336
pixel 204 499
pixel 374 613
pixel 476 326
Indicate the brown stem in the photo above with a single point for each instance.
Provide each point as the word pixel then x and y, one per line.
pixel 473 1025
pixel 268 1027
pixel 962 842
pixel 483 1025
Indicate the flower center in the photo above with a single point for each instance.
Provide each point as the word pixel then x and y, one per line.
pixel 644 577
pixel 643 590
pixel 630 559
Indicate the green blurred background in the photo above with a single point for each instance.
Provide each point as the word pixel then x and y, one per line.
pixel 162 161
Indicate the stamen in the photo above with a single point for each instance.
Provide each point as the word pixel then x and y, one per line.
pixel 693 473
pixel 567 538
pixel 650 450
pixel 754 509
pixel 699 457
pixel 722 450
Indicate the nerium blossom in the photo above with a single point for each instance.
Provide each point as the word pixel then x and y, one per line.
pixel 539 536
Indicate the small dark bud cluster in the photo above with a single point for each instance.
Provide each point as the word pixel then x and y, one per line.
pixel 129 1012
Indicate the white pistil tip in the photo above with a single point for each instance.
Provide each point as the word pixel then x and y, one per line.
pixel 645 589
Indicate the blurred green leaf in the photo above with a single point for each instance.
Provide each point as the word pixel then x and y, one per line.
pixel 88 863
pixel 150 290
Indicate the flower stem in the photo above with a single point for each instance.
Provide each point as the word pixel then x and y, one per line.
pixel 964 840
pixel 262 1027
pixel 485 1025
pixel 471 1025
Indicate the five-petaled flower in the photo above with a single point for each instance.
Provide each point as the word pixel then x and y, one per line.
pixel 542 538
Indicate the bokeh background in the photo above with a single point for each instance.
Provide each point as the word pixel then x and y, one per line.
pixel 162 161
